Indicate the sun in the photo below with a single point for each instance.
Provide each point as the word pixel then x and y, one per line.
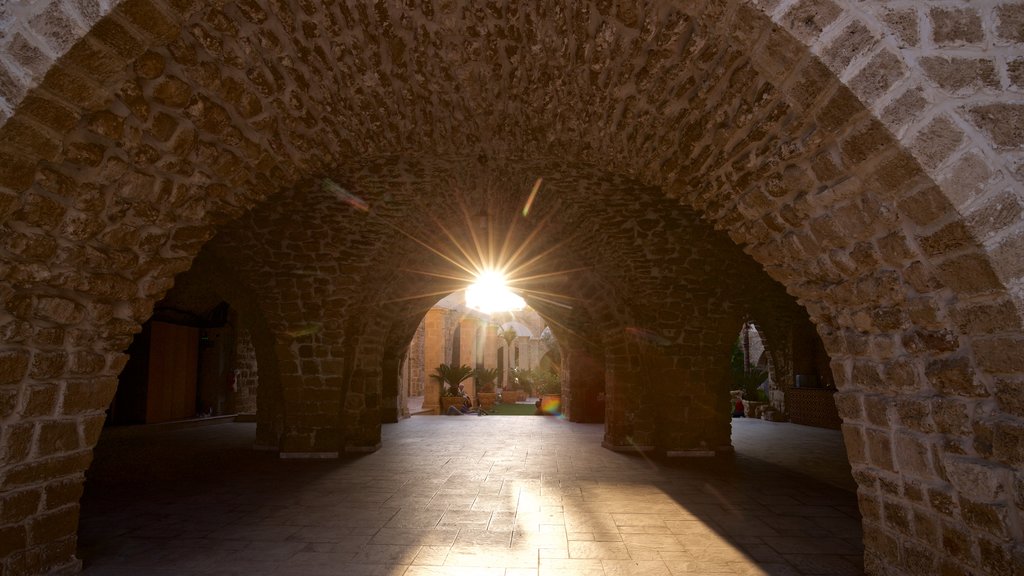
pixel 490 294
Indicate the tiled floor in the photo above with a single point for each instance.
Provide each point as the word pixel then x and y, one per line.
pixel 495 495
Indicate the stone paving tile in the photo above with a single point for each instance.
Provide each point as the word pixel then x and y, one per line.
pixel 549 501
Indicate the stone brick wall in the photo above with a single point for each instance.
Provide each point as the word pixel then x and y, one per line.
pixel 247 378
pixel 865 155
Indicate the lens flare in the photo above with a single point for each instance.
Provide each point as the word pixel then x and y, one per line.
pixel 490 294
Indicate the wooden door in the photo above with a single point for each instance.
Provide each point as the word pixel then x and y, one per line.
pixel 173 357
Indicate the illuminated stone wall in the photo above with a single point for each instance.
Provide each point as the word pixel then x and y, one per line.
pixel 855 162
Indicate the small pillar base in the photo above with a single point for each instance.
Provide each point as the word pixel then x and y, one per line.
pixel 308 455
pixel 627 447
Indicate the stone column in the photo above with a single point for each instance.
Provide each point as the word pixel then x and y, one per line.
pixel 583 394
pixel 490 349
pixel 433 356
pixel 630 423
pixel 311 383
pixel 391 389
pixel 468 350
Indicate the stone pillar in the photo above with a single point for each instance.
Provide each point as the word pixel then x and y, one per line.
pixel 631 419
pixel 693 415
pixel 311 384
pixel 391 398
pixel 490 349
pixel 583 396
pixel 433 356
pixel 468 350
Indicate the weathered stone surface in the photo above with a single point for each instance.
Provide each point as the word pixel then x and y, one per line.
pixel 1004 123
pixel 956 26
pixel 1010 26
pixel 192 131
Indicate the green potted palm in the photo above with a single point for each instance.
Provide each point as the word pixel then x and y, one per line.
pixel 485 394
pixel 549 388
pixel 449 377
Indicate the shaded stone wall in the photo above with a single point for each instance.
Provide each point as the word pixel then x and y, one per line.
pixel 247 374
pixel 866 155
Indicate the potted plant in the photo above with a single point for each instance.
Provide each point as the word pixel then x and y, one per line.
pixel 549 388
pixel 449 377
pixel 748 379
pixel 513 390
pixel 510 392
pixel 485 394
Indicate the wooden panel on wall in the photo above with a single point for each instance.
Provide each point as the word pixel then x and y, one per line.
pixel 173 357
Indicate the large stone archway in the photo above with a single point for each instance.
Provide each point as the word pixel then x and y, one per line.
pixel 866 157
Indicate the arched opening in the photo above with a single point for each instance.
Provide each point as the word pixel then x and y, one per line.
pixel 824 147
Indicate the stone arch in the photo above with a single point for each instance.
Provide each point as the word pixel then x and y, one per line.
pixel 881 192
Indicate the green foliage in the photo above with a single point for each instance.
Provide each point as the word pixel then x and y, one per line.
pixel 747 378
pixel 485 378
pixel 547 382
pixel 451 376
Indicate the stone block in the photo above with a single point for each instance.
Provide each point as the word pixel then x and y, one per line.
pixel 56 436
pixel 17 506
pixel 42 401
pixel 905 109
pixel 986 318
pixel 1010 22
pixel 56 28
pixel 12 539
pixel 950 416
pixel 855 40
pixel 956 541
pixel 987 517
pixel 915 414
pixel 13 366
pixel 879 446
pixel 904 25
pixel 956 26
pixel 999 355
pixel 117 38
pixel 1003 123
pixel 977 479
pixel 876 408
pixel 879 76
pixel 1015 71
pixel 866 142
pixel 54 525
pixel 807 18
pixel 48 112
pixel 912 455
pixel 925 526
pixel 62 493
pixel 954 377
pixel 17 172
pixel 88 395
pixel 147 17
pixel 996 214
pixel 1008 442
pixel 930 341
pixel 961 76
pixel 968 274
pixel 1008 395
pixel 937 141
pixel 897 516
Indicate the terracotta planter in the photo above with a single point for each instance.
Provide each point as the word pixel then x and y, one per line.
pixel 448 401
pixel 487 399
pixel 551 404
pixel 512 396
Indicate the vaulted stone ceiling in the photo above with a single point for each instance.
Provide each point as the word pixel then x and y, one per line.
pixel 838 150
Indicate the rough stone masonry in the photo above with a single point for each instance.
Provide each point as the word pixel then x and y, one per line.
pixel 857 165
